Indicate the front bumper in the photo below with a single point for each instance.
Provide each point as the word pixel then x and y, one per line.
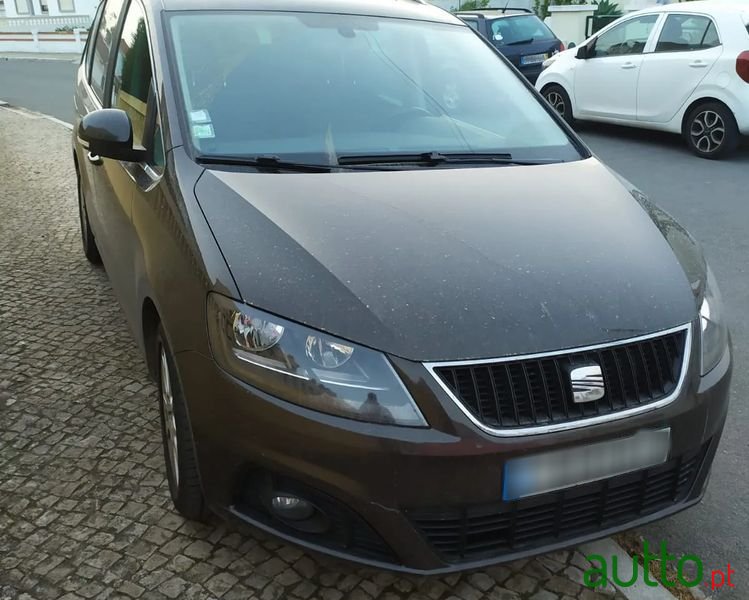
pixel 399 497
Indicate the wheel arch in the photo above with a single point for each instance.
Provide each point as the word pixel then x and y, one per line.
pixel 565 85
pixel 697 102
pixel 150 321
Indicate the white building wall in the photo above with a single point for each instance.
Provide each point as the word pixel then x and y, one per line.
pixel 453 4
pixel 81 7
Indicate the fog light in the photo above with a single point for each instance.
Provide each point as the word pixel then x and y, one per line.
pixel 291 507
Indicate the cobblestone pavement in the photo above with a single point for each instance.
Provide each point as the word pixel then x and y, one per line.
pixel 84 508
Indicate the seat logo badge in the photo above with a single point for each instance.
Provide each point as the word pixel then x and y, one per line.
pixel 587 384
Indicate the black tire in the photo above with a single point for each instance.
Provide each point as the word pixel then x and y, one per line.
pixel 90 249
pixel 711 130
pixel 559 100
pixel 183 475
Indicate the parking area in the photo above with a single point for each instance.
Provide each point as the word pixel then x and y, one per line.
pixel 84 508
pixel 710 199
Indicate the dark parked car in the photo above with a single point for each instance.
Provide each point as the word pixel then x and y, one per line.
pixel 517 33
pixel 396 309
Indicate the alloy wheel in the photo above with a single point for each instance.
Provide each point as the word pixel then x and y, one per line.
pixel 557 101
pixel 707 131
pixel 170 421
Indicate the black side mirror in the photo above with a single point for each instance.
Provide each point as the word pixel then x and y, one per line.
pixel 109 133
pixel 588 50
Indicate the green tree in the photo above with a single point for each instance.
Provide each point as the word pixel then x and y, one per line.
pixel 606 12
pixel 471 5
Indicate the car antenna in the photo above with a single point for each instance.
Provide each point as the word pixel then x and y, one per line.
pixel 504 10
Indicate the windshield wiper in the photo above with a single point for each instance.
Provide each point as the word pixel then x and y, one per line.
pixel 518 42
pixel 431 159
pixel 273 162
pixel 263 162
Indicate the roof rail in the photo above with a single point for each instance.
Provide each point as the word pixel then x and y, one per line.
pixel 501 9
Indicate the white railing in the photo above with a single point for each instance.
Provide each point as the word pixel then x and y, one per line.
pixel 44 23
pixel 46 43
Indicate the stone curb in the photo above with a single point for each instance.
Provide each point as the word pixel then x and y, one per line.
pixel 53 57
pixel 29 114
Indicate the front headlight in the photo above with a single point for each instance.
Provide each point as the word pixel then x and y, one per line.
pixel 307 367
pixel 548 62
pixel 712 325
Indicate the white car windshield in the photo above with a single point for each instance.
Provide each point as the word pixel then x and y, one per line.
pixel 314 87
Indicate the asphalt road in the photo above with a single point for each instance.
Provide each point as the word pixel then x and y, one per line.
pixel 44 86
pixel 711 198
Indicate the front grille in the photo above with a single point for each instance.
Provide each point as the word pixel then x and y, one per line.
pixel 536 391
pixel 484 531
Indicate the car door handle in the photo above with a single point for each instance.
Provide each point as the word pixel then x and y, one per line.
pixel 629 65
pixel 93 159
pixel 697 64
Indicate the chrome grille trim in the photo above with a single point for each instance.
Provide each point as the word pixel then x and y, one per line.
pixel 584 422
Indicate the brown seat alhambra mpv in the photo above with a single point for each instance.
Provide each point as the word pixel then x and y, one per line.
pixel 397 311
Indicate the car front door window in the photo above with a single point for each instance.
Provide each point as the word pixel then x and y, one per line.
pixel 131 81
pixel 605 83
pixel 627 38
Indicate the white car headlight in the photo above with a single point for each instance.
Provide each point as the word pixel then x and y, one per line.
pixel 307 367
pixel 714 332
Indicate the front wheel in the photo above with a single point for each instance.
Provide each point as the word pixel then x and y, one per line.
pixel 559 100
pixel 711 131
pixel 179 450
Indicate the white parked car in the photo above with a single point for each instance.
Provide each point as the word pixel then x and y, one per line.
pixel 681 67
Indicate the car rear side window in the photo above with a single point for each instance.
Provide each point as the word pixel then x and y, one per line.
pixel 131 81
pixel 88 48
pixel 687 32
pixel 472 23
pixel 103 46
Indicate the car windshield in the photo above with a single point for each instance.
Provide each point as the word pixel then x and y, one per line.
pixel 314 87
pixel 523 28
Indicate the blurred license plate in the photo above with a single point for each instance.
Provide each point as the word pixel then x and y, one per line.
pixel 541 473
pixel 533 59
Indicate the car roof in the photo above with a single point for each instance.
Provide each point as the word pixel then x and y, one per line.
pixel 497 13
pixel 405 9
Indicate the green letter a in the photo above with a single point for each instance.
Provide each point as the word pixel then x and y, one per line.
pixel 596 577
